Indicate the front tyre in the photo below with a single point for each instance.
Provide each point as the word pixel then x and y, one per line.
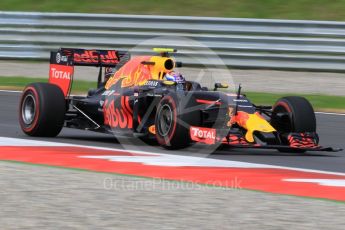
pixel 293 114
pixel 42 110
pixel 172 130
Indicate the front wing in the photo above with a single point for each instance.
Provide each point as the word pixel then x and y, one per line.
pixel 296 141
pixel 285 147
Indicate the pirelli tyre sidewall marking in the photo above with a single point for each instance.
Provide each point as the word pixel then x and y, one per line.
pixel 172 103
pixel 285 105
pixel 33 125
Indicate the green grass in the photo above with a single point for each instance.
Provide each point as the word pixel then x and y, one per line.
pixel 20 82
pixel 320 102
pixel 293 9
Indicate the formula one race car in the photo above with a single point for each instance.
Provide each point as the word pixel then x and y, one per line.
pixel 145 97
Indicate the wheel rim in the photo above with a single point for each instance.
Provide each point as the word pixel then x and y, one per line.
pixel 28 109
pixel 165 120
pixel 283 125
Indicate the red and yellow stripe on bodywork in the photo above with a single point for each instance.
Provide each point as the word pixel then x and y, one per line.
pixel 251 122
pixel 135 73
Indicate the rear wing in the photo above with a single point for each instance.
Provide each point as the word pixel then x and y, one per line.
pixel 62 64
pixel 84 57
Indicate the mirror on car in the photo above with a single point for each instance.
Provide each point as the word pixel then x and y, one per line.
pixel 178 64
pixel 220 86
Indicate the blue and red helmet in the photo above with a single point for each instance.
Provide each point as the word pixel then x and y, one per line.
pixel 175 77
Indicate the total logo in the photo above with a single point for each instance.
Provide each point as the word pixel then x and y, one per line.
pixel 205 135
pixel 60 74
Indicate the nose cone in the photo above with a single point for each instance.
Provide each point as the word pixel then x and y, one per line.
pixel 257 123
pixel 252 122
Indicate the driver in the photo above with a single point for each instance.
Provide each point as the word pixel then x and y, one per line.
pixel 176 77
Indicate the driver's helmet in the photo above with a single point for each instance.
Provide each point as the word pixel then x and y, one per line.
pixel 175 77
pixel 178 78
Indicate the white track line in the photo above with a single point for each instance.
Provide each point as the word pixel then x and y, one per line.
pixel 10 91
pixel 336 114
pixel 21 142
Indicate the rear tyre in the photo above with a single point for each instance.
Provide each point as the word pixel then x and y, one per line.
pixel 299 117
pixel 172 125
pixel 42 110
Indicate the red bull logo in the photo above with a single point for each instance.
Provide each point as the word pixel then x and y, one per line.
pixel 121 117
pixel 91 56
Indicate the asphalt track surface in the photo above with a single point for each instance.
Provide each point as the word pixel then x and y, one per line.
pixel 331 129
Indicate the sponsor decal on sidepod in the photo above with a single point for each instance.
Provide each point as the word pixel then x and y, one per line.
pixel 204 135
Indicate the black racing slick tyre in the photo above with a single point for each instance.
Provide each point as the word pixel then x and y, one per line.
pixel 172 125
pixel 299 118
pixel 42 110
pixel 301 115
